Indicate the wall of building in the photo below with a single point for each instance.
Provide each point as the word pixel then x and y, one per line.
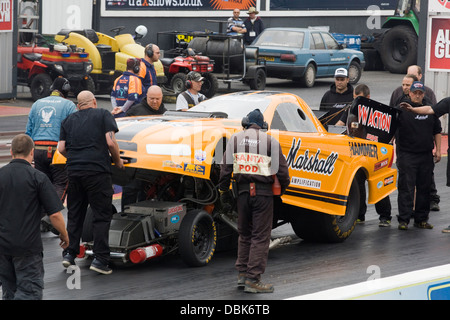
pixel 8 71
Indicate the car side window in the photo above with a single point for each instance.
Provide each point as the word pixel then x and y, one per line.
pixel 318 40
pixel 312 45
pixel 289 117
pixel 330 42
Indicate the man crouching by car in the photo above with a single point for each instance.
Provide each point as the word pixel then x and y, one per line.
pixel 255 159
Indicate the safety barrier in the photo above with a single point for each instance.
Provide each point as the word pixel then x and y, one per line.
pixel 427 284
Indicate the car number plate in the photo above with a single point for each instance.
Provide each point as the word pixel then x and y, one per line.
pixel 268 58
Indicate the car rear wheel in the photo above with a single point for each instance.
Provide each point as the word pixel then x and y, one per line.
pixel 309 78
pixel 322 227
pixel 197 238
pixel 354 72
pixel 259 81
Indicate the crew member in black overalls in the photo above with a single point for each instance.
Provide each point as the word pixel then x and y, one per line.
pixel 416 137
pixel 254 158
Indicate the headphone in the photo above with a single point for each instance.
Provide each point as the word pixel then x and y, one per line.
pixel 188 82
pixel 189 77
pixel 64 87
pixel 149 50
pixel 246 123
pixel 137 66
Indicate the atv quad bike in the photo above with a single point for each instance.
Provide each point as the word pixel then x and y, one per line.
pixel 39 66
pixel 185 61
pixel 108 54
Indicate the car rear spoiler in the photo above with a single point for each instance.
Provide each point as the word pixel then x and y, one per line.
pixel 196 114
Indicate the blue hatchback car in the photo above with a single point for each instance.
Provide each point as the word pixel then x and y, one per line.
pixel 306 54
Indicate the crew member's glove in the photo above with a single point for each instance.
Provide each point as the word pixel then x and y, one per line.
pixel 226 201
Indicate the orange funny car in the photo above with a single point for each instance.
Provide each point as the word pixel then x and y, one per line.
pixel 176 159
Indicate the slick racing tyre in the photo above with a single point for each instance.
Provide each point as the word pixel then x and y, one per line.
pixel 197 238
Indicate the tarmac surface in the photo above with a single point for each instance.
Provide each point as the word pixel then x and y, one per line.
pixel 295 269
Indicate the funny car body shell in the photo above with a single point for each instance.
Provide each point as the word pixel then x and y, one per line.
pixel 322 165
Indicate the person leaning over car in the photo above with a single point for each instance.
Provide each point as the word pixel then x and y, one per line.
pixel 88 142
pixel 151 105
pixel 24 194
pixel 254 158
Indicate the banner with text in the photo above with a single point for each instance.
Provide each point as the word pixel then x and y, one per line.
pixel 330 5
pixel 6 15
pixel 378 120
pixel 439 50
pixel 179 4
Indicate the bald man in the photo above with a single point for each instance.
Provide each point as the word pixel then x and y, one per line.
pixel 88 141
pixel 152 105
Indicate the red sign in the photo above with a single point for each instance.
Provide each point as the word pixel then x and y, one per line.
pixel 6 15
pixel 445 3
pixel 440 44
pixel 232 4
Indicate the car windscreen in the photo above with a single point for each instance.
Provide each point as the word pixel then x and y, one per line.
pixel 234 108
pixel 280 38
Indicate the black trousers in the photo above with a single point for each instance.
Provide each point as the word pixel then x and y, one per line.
pixel 22 277
pixel 56 174
pixel 448 169
pixel 255 215
pixel 97 191
pixel 382 207
pixel 415 172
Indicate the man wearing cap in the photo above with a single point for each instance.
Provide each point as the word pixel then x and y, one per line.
pixel 43 126
pixel 339 95
pixel 254 158
pixel 439 109
pixel 414 73
pixel 127 89
pixel 254 26
pixel 416 137
pixel 192 96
